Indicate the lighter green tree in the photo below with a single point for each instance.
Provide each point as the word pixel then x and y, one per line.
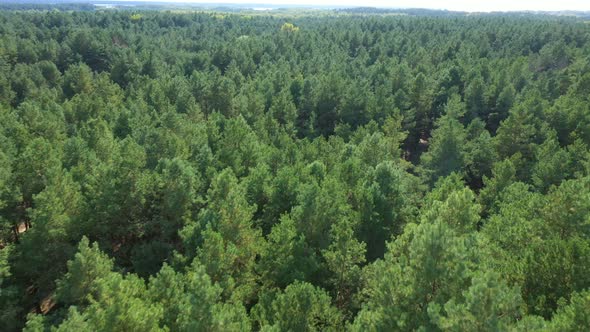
pixel 301 307
pixel 446 151
pixel 425 267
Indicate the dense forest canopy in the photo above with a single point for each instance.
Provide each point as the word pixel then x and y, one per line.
pixel 234 172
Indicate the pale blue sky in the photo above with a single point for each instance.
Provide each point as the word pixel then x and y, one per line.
pixel 463 5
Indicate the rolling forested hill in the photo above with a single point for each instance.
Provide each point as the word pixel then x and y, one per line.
pixel 336 171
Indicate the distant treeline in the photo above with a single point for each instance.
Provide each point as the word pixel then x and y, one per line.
pixel 40 5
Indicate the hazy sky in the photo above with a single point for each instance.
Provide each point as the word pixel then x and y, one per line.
pixel 463 5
